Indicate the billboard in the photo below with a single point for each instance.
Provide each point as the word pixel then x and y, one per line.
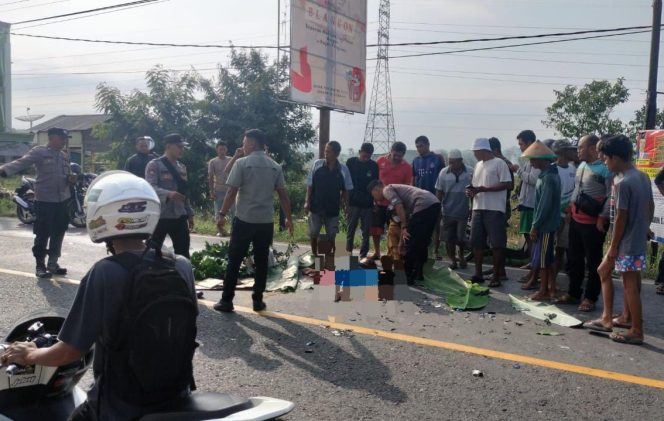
pixel 650 160
pixel 328 41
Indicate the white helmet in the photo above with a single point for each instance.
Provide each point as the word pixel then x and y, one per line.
pixel 119 204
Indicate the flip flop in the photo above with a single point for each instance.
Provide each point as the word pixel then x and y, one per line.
pixel 454 266
pixel 625 339
pixel 616 323
pixel 597 326
pixel 659 289
pixel 494 284
pixel 477 280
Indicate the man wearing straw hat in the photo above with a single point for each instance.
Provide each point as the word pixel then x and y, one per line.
pixel 546 217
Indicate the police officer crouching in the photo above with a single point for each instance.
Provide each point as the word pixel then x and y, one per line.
pixel 168 177
pixel 52 195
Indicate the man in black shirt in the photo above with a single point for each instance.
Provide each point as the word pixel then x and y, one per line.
pixel 328 185
pixel 363 170
pixel 136 163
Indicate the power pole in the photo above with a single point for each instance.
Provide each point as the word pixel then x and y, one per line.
pixel 380 119
pixel 651 104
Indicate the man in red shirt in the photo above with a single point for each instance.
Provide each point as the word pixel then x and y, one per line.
pixel 392 169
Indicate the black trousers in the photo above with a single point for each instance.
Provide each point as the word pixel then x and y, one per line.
pixel 660 271
pixel 420 227
pixel 585 253
pixel 49 229
pixel 242 235
pixel 178 230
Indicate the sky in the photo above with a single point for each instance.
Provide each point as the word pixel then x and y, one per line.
pixel 451 98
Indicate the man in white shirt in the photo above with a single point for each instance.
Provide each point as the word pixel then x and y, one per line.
pixel 491 178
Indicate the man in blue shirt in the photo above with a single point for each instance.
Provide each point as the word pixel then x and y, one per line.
pixel 426 166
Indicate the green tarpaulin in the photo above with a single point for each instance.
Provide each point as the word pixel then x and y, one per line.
pixel 459 294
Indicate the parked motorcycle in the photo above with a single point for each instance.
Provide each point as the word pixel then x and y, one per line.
pixel 24 198
pixel 78 190
pixel 31 393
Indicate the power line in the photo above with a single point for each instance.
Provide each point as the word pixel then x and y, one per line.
pixel 154 44
pixel 98 9
pixel 558 34
pixel 513 45
pixel 34 5
pixel 93 14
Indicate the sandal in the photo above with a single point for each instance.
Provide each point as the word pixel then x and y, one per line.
pixel 495 283
pixel 586 306
pixel 623 338
pixel 597 326
pixel 566 299
pixel 477 280
pixel 539 297
pixel 618 323
pixel 454 266
pixel 659 289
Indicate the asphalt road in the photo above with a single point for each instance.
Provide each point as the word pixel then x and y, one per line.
pixel 403 361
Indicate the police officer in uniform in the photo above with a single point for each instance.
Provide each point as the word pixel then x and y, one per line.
pixel 52 196
pixel 168 176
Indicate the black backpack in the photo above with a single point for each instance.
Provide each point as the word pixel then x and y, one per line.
pixel 149 358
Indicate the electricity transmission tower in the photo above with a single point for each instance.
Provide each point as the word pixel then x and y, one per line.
pixel 380 120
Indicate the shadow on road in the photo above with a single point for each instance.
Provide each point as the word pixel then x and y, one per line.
pixel 326 360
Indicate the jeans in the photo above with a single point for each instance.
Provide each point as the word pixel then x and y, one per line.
pixel 362 216
pixel 243 234
pixel 178 230
pixel 584 253
pixel 49 229
pixel 219 202
pixel 420 227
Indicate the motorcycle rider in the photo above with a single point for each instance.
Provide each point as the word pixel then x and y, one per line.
pixel 96 315
pixel 137 162
pixel 52 194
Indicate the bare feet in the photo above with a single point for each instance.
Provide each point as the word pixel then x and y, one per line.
pixel 539 296
pixel 586 306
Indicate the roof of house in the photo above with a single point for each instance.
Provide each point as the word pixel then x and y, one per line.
pixel 71 122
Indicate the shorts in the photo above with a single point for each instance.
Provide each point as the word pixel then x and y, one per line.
pixel 526 220
pixel 378 220
pixel 626 263
pixel 543 251
pixel 454 229
pixel 316 222
pixel 562 238
pixel 488 224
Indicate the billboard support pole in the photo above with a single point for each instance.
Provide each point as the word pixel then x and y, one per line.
pixel 651 106
pixel 323 131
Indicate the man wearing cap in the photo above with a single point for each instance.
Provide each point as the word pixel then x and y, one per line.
pixel 450 190
pixel 546 219
pixel 168 177
pixel 52 195
pixel 363 170
pixel 491 177
pixel 136 163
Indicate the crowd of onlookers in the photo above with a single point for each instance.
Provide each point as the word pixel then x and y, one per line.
pixel 570 195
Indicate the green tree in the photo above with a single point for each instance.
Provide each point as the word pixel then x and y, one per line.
pixel 639 122
pixel 244 95
pixel 579 111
